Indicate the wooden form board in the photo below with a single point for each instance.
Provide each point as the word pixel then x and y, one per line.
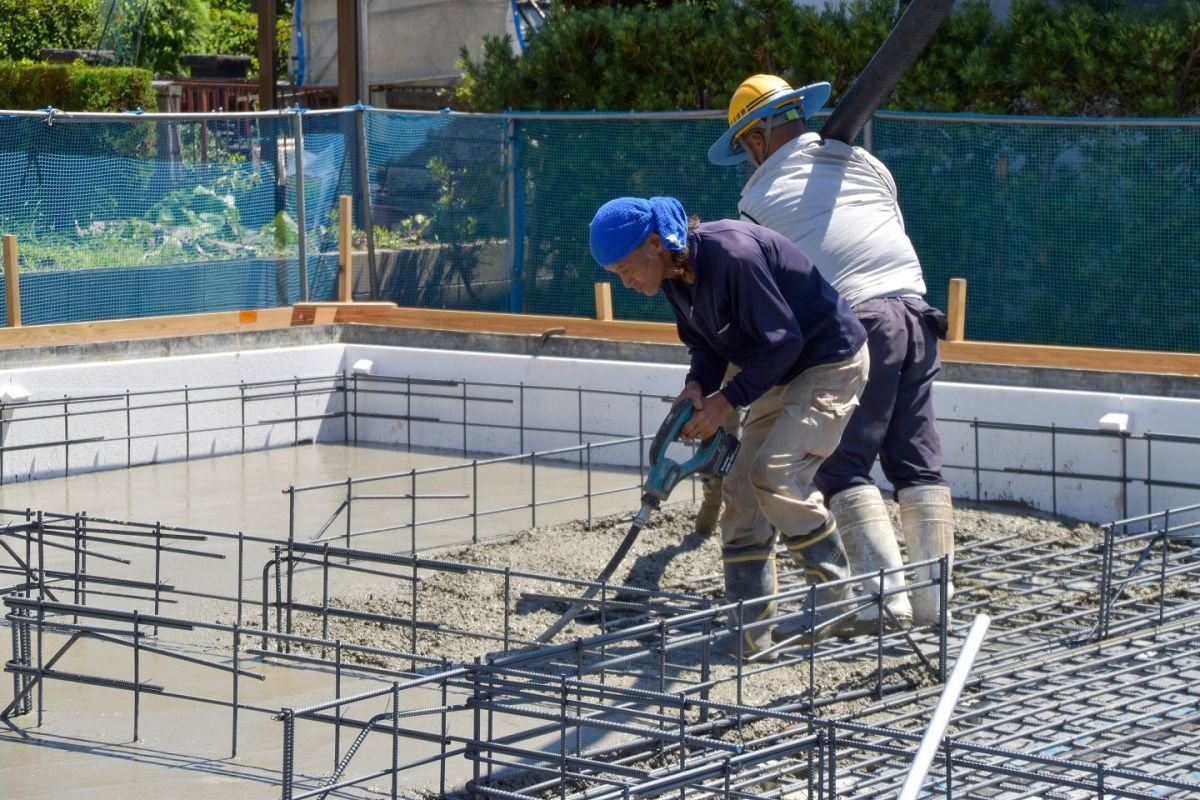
pixel 144 328
pixel 490 322
pixel 388 314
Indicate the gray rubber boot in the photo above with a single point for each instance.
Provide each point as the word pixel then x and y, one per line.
pixel 927 516
pixel 822 557
pixel 750 576
pixel 871 546
pixel 710 507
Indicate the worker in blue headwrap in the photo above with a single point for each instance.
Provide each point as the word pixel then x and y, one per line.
pixel 745 295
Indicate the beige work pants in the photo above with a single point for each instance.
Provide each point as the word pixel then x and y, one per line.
pixel 786 434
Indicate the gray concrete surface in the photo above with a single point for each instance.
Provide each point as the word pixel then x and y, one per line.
pixel 85 746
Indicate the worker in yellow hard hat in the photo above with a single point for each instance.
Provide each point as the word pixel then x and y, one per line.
pixel 760 104
pixel 838 203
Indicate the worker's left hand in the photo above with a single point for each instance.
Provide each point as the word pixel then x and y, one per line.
pixel 706 418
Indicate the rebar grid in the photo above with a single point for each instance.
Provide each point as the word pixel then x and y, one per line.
pixel 1111 613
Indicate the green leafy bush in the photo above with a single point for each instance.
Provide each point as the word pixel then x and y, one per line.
pixel 1068 58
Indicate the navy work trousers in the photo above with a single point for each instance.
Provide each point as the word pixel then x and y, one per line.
pixel 894 420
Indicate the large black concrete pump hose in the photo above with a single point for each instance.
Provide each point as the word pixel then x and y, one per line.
pixel 899 50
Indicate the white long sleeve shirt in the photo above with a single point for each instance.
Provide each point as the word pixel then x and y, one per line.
pixel 838 204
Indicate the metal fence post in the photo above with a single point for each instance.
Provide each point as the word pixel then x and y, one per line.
pixel 301 223
pixel 364 180
pixel 516 215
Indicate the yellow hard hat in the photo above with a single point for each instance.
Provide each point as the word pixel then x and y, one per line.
pixel 757 97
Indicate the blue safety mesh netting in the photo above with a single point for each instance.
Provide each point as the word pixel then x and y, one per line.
pixel 154 216
pixel 440 210
pixel 1068 232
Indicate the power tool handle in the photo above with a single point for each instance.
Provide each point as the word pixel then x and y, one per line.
pixel 669 430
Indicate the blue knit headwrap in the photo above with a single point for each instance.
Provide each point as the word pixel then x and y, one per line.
pixel 622 224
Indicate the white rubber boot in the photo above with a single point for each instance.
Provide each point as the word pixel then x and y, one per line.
pixel 927 516
pixel 871 545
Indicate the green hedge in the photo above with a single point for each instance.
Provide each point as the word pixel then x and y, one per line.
pixel 1067 58
pixel 75 87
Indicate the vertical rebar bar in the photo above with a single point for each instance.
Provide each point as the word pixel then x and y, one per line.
pixel 1053 470
pixel 1106 570
pixel 349 509
pixel 128 433
pixel 975 431
pixel 289 746
pixel 879 637
pixel 507 606
pixel 562 738
pixel 832 774
pixel 187 425
pixel 412 512
pixel 943 614
pixel 66 438
pixel 1162 574
pixel 41 674
pixel 947 745
pixel 345 408
pixel 296 411
pixel 395 740
pixel 241 570
pixel 242 411
pixel 157 571
pixel 325 594
pixel 137 673
pixel 75 576
pixel 475 501
pixel 83 557
pixel 641 437
pixel 337 693
pixel 1149 437
pixel 234 707
pixel 278 597
pixel 1124 439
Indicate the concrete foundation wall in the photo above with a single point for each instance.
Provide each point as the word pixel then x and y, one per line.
pixel 507 410
pixel 158 421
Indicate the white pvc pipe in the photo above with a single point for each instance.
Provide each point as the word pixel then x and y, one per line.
pixel 945 707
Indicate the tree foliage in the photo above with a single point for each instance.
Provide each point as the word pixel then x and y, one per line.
pixel 1068 58
pixel 29 26
pixel 154 34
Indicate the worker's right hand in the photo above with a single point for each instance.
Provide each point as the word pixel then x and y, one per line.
pixel 693 392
